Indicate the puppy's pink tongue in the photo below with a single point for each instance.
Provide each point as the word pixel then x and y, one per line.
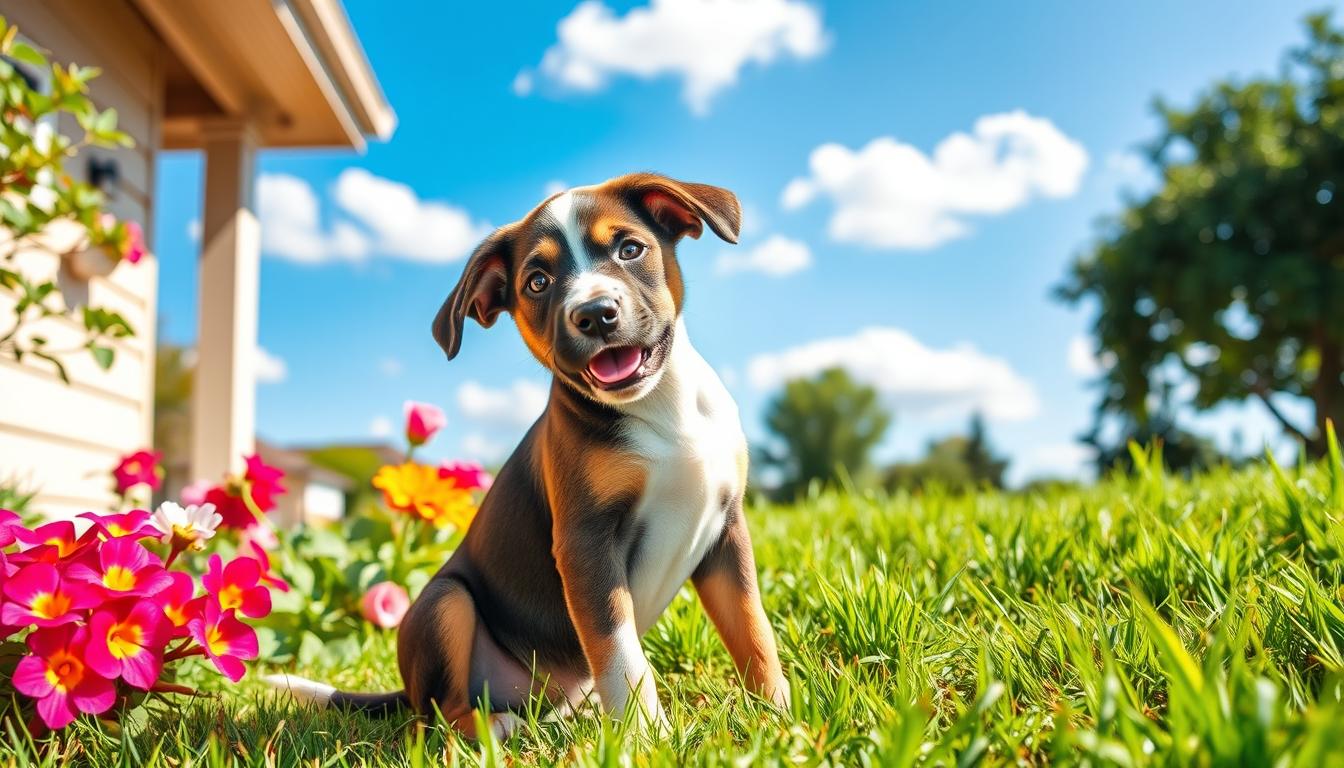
pixel 612 365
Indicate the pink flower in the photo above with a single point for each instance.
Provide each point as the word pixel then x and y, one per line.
pixel 264 481
pixel 125 569
pixel 134 524
pixel 259 535
pixel 133 249
pixel 268 577
pixel 422 421
pixel 8 522
pixel 227 642
pixel 179 603
pixel 36 594
pixel 467 475
pixel 139 468
pixel 57 676
pixel 51 542
pixel 237 586
pixel 127 643
pixel 194 495
pixel 385 604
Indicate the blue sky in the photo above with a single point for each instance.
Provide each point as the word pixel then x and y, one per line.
pixel 931 279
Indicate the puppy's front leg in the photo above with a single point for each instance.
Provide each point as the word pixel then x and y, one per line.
pixel 726 583
pixel 597 595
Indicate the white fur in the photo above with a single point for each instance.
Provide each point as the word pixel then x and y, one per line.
pixel 304 690
pixel 687 430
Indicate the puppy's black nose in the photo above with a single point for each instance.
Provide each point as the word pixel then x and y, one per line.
pixel 596 317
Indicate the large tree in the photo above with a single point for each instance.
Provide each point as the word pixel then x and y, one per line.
pixel 824 426
pixel 1233 271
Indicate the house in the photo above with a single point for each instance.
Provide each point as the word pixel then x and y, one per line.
pixel 229 80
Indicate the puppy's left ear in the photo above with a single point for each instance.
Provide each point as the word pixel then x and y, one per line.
pixel 679 207
pixel 482 292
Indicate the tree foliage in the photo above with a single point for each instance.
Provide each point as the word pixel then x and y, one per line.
pixel 825 425
pixel 959 463
pixel 1232 273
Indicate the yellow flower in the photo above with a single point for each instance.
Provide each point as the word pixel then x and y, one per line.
pixel 418 490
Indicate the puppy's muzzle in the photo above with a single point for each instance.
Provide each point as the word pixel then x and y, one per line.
pixel 597 318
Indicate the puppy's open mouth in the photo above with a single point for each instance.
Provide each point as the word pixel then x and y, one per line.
pixel 617 367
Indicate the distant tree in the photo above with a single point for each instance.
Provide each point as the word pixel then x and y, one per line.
pixel 824 425
pixel 1182 450
pixel 959 462
pixel 1233 272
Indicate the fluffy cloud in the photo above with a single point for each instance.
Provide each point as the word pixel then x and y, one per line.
pixel 1083 360
pixel 1065 461
pixel 776 256
pixel 705 43
pixel 380 426
pixel 913 377
pixel 377 217
pixel 268 368
pixel 891 195
pixel 478 447
pixel 402 224
pixel 515 406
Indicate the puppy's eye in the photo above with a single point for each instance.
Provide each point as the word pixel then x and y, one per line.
pixel 538 282
pixel 631 250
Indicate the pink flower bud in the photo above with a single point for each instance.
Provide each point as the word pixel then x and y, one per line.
pixel 422 421
pixel 385 604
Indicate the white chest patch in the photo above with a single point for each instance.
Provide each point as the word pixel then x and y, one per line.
pixel 689 433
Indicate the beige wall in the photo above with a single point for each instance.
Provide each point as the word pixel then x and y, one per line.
pixel 62 440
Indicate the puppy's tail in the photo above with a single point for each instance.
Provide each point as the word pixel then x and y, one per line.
pixel 326 696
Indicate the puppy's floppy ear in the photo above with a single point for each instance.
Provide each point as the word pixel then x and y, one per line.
pixel 679 207
pixel 482 292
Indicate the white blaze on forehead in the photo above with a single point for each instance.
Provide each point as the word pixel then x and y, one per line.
pixel 563 210
pixel 586 283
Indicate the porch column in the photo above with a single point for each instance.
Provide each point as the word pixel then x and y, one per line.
pixel 224 408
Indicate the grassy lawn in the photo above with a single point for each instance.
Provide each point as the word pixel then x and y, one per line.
pixel 1147 620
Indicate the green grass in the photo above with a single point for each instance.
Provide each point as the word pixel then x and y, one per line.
pixel 1148 620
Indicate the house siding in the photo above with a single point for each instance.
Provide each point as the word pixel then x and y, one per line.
pixel 59 439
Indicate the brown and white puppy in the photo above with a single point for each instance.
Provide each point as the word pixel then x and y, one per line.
pixel 628 484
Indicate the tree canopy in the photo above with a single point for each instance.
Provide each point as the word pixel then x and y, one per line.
pixel 1232 273
pixel 825 425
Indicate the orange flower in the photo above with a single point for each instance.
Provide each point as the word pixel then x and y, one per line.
pixel 417 489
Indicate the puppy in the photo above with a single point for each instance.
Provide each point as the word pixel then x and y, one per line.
pixel 629 483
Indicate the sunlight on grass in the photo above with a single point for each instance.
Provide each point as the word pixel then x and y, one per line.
pixel 1149 619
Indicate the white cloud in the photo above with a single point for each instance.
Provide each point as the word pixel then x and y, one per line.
pixel 478 447
pixel 391 367
pixel 1127 164
pixel 1082 360
pixel 291 226
pixel 380 426
pixel 522 84
pixel 377 216
pixel 554 187
pixel 269 368
pixel 515 406
pixel 194 230
pixel 402 224
pixel 705 43
pixel 891 195
pixel 1065 461
pixel 776 256
pixel 932 382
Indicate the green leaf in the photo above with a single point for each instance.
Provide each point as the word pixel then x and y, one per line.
pixel 103 356
pixel 27 54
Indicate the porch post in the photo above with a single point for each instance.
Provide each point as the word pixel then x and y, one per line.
pixel 224 406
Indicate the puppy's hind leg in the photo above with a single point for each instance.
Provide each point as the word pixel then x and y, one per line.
pixel 449 662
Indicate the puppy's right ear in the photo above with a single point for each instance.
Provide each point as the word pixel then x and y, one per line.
pixel 482 293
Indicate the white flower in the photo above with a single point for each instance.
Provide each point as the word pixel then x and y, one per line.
pixel 190 526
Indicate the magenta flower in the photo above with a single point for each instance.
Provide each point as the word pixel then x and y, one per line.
pixel 139 468
pixel 56 676
pixel 134 524
pixel 127 643
pixel 36 594
pixel 179 603
pixel 422 421
pixel 237 586
pixel 467 475
pixel 133 249
pixel 227 642
pixel 385 604
pixel 268 576
pixel 8 522
pixel 125 569
pixel 51 542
